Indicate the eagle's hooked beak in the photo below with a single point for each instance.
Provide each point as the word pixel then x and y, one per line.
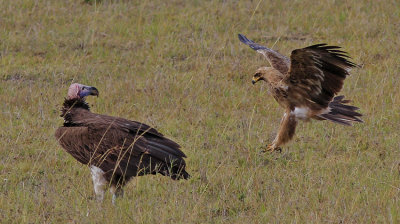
pixel 255 79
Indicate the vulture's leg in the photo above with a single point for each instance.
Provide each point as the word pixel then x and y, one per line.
pixel 116 192
pixel 99 182
pixel 286 132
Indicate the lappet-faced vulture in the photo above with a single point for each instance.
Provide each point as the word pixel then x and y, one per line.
pixel 306 86
pixel 115 149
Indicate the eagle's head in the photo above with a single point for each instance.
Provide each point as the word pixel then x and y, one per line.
pixel 79 91
pixel 262 74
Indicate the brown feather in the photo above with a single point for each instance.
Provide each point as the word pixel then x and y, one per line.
pixel 320 70
pixel 277 60
pixel 307 89
pixel 120 147
pixel 286 130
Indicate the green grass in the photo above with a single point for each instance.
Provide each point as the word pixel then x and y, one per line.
pixel 178 66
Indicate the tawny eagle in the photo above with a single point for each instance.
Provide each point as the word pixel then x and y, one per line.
pixel 306 86
pixel 115 149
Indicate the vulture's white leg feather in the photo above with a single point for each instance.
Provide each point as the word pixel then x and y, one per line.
pixel 116 193
pixel 99 182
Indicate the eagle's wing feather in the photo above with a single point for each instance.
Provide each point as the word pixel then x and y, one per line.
pixel 277 60
pixel 316 75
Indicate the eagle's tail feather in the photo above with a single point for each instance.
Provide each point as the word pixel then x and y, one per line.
pixel 341 113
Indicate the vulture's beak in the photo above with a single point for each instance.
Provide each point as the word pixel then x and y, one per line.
pixel 93 91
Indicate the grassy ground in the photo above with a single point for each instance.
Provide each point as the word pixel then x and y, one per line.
pixel 178 66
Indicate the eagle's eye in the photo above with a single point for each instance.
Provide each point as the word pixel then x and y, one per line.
pixel 257 75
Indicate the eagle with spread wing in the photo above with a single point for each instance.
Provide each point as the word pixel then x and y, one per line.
pixel 306 85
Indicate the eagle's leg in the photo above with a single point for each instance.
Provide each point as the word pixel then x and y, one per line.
pixel 116 192
pixel 286 132
pixel 99 182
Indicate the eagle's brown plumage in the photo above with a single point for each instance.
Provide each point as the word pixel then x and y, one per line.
pixel 306 86
pixel 121 148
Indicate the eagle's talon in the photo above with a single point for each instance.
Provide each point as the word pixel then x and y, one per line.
pixel 271 148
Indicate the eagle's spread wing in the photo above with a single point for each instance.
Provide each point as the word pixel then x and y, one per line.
pixel 277 61
pixel 120 146
pixel 316 75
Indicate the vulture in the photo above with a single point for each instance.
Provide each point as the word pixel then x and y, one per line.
pixel 115 149
pixel 306 86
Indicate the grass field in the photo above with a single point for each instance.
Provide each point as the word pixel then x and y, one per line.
pixel 178 66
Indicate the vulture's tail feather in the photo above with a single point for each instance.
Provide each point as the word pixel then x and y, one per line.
pixel 175 168
pixel 341 113
pixel 180 175
pixel 178 171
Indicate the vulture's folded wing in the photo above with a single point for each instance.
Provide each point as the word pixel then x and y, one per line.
pixel 109 140
pixel 75 140
pixel 317 74
pixel 137 148
pixel 277 61
pixel 120 127
pixel 154 139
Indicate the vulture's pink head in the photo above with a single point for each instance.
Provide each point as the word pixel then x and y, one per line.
pixel 79 91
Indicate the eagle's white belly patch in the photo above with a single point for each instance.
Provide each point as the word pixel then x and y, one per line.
pixel 300 113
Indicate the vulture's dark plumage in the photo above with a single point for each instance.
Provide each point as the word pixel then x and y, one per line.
pixel 116 149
